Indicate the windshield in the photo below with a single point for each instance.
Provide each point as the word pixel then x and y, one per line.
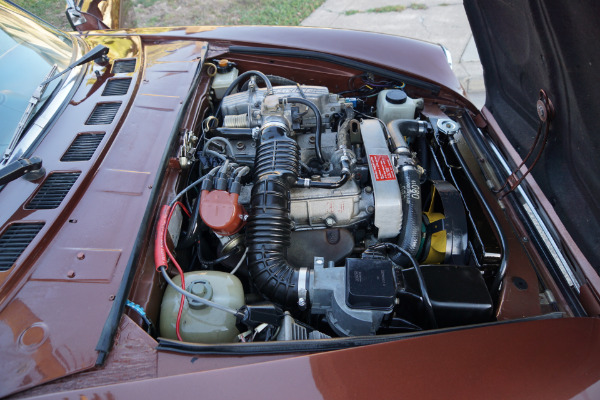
pixel 29 48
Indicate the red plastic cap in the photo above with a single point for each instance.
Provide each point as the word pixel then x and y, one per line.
pixel 221 211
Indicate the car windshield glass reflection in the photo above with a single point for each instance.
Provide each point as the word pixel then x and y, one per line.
pixel 28 50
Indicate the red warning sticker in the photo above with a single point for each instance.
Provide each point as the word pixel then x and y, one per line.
pixel 382 167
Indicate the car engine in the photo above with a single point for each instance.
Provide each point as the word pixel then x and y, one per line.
pixel 308 214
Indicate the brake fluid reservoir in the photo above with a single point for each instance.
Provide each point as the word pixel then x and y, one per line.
pixel 226 74
pixel 201 323
pixel 395 104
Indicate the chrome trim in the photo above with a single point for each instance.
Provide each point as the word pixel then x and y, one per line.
pixel 447 54
pixel 539 225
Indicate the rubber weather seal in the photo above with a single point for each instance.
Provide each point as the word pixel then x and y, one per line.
pixel 317 345
pixel 346 62
pixel 112 321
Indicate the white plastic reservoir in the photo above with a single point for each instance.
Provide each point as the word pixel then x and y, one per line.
pixel 226 74
pixel 201 323
pixel 395 104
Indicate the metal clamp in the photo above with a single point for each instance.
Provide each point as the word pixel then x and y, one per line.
pixel 302 290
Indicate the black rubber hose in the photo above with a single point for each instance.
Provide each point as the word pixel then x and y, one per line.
pixel 318 122
pixel 410 188
pixel 303 182
pixel 268 232
pixel 414 129
pixel 410 232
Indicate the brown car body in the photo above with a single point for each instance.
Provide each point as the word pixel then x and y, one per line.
pixel 64 332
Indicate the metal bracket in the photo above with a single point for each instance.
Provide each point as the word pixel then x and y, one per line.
pixel 74 14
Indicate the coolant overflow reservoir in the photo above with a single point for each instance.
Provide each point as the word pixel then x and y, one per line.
pixel 395 104
pixel 226 74
pixel 201 323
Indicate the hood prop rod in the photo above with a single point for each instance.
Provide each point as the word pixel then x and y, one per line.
pixel 546 112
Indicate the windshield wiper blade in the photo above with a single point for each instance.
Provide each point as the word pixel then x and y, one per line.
pixel 97 52
pixel 35 98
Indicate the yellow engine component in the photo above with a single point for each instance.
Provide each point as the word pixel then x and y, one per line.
pixel 437 246
pixel 436 241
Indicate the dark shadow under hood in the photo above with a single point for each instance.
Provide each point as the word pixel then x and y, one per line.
pixel 528 45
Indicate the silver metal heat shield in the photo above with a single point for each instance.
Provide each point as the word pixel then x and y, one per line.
pixel 388 201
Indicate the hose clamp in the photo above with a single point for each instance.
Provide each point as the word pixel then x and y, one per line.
pixel 403 151
pixel 302 290
pixel 255 133
pixel 276 124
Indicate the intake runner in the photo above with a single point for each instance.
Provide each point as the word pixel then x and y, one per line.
pixel 269 225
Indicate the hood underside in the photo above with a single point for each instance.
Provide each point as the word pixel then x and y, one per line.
pixel 528 45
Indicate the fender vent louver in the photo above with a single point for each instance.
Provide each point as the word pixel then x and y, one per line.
pixel 83 147
pixel 53 191
pixel 117 87
pixel 15 240
pixel 103 114
pixel 123 66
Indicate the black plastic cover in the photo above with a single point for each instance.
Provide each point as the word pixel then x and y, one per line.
pixel 370 284
pixel 256 314
pixel 458 294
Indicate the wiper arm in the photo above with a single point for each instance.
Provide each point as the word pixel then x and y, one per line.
pixel 97 52
pixel 22 167
pixel 35 98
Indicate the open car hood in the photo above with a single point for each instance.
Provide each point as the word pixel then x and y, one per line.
pixel 528 45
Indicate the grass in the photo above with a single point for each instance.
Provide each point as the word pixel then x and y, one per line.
pixel 278 12
pixel 387 9
pixel 52 11
pixel 418 6
pixel 145 3
pixel 244 12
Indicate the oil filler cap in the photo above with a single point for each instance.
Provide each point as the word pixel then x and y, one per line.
pixel 396 96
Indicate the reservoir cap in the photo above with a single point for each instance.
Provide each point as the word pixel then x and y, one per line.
pixel 201 289
pixel 396 96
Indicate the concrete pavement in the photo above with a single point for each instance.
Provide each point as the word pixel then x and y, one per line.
pixel 431 20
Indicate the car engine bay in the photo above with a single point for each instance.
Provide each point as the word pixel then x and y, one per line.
pixel 306 214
